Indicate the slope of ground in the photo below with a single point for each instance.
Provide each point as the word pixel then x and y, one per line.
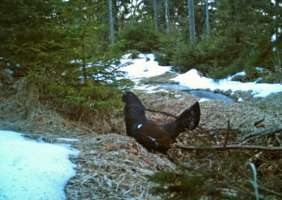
pixel 113 166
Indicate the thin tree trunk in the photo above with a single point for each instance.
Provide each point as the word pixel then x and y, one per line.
pixel 277 2
pixel 166 16
pixel 156 14
pixel 83 46
pixel 207 18
pixel 111 22
pixel 191 20
pixel 132 10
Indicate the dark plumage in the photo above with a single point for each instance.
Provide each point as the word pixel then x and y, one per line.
pixel 151 134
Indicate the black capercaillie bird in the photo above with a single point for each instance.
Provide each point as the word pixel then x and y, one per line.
pixel 151 134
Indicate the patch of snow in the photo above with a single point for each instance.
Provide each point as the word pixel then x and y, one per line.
pixel 260 69
pixel 193 80
pixel 68 139
pixel 258 80
pixel 135 70
pixel 151 89
pixel 203 100
pixel 240 99
pixel 32 170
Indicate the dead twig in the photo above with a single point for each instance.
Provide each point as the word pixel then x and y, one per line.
pixel 254 147
pixel 227 135
pixel 269 131
pixel 269 191
pixel 257 122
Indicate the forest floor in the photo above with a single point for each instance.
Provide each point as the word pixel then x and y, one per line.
pixel 112 165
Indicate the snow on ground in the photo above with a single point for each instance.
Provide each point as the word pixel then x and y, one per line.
pixel 31 170
pixel 142 67
pixel 68 139
pixel 192 79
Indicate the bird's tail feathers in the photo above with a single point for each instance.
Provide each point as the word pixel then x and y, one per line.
pixel 189 119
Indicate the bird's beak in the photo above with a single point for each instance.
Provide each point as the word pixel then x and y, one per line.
pixel 125 93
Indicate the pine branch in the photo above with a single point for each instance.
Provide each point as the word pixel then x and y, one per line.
pixel 260 187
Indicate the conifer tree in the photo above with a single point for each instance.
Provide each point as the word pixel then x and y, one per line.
pixel 58 47
pixel 251 25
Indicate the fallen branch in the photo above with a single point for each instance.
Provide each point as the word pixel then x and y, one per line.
pixel 269 131
pixel 278 139
pixel 165 113
pixel 252 134
pixel 254 147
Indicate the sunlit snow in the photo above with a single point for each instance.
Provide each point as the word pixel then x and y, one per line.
pixel 192 79
pixel 140 68
pixel 31 170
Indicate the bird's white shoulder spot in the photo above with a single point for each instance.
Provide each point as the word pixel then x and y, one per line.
pixel 153 139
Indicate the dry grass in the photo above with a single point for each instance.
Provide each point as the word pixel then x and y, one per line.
pixel 114 166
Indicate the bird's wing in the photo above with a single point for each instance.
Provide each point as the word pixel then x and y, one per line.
pixel 152 136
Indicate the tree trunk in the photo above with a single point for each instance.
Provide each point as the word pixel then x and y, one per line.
pixel 277 2
pixel 83 45
pixel 207 19
pixel 132 10
pixel 191 20
pixel 111 22
pixel 156 14
pixel 167 16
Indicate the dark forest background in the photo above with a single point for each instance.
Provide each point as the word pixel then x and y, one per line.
pixel 66 51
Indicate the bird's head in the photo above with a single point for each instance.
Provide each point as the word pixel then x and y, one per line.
pixel 130 97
